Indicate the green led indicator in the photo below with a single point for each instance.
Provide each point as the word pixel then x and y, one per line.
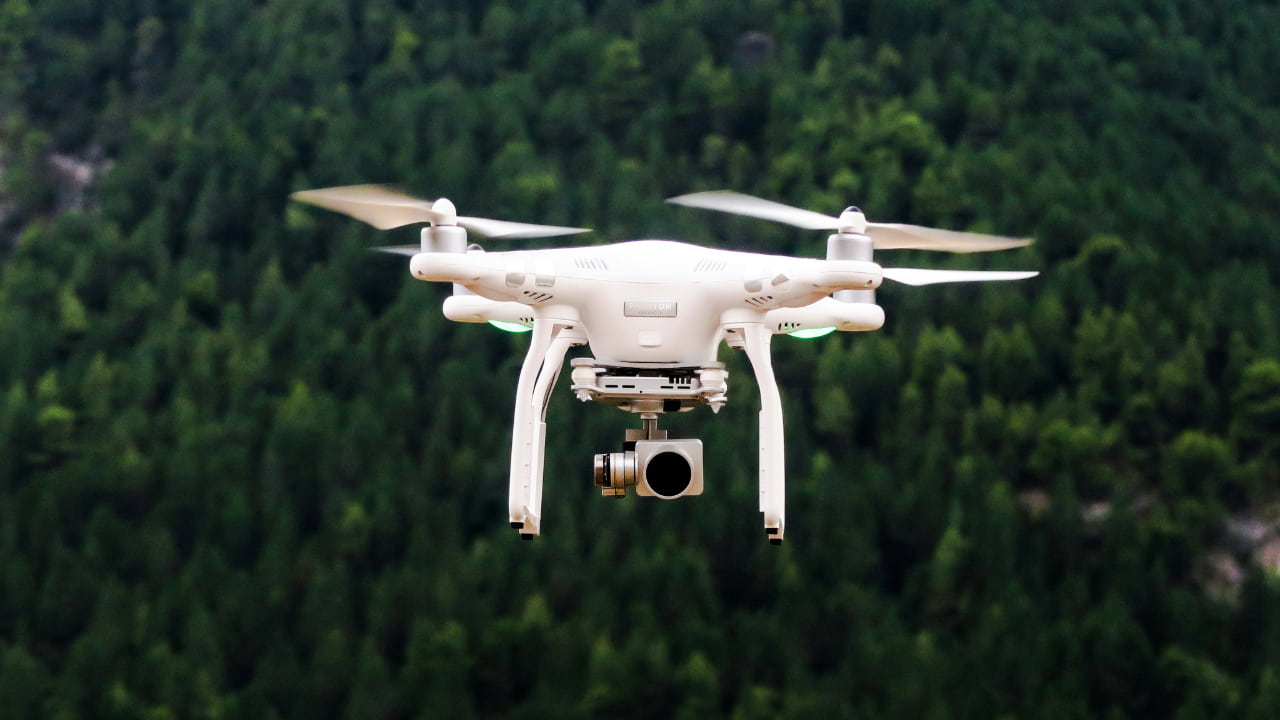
pixel 514 327
pixel 812 333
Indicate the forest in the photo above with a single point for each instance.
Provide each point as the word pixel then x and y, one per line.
pixel 248 469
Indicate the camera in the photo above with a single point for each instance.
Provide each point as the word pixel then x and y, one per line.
pixel 666 469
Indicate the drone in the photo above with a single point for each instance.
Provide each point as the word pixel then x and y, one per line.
pixel 654 313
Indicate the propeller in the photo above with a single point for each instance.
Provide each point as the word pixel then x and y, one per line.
pixel 884 236
pixel 399 249
pixel 386 208
pixel 921 276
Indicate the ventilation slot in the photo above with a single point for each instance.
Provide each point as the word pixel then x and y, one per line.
pixel 709 265
pixel 760 300
pixel 537 297
pixel 591 263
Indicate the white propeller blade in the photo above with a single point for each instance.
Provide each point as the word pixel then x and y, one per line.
pixel 379 206
pixel 508 229
pixel 895 236
pixel 399 249
pixel 385 208
pixel 751 206
pixel 921 276
pixel 884 236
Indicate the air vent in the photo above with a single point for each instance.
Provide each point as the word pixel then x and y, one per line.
pixel 760 300
pixel 591 263
pixel 537 297
pixel 709 264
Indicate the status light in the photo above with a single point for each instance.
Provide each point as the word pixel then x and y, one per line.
pixel 516 327
pixel 811 333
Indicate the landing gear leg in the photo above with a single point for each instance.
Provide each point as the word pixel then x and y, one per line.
pixel 547 346
pixel 773 501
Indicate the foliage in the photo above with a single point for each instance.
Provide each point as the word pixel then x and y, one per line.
pixel 248 470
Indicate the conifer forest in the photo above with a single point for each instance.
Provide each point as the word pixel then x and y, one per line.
pixel 248 469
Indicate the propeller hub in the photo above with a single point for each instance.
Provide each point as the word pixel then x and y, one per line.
pixel 853 221
pixel 448 214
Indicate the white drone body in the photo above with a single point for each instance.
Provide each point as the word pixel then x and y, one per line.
pixel 653 313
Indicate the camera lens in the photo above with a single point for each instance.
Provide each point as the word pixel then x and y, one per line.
pixel 668 473
pixel 602 470
pixel 614 472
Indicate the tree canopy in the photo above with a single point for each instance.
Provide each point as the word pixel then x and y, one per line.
pixel 248 469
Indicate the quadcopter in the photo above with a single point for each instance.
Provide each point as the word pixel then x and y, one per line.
pixel 654 313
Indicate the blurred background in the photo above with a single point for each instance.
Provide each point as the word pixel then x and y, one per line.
pixel 247 469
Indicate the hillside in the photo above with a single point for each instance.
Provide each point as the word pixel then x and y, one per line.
pixel 248 470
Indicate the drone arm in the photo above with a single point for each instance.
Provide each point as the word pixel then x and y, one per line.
pixel 477 309
pixel 801 282
pixel 755 337
pixel 486 274
pixel 827 312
